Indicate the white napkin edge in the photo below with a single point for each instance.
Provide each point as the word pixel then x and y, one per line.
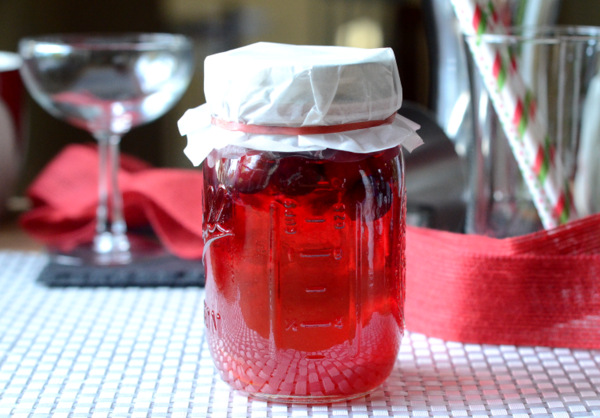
pixel 203 137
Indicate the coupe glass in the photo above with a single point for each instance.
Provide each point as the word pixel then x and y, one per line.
pixel 107 84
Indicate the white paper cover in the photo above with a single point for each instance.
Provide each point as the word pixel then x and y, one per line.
pixel 289 85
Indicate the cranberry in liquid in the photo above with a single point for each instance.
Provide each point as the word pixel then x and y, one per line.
pixel 304 255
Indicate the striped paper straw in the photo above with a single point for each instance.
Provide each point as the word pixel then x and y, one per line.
pixel 516 109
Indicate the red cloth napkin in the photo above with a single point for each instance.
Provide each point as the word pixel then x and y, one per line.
pixel 537 289
pixel 65 195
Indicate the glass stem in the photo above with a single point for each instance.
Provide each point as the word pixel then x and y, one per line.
pixel 111 229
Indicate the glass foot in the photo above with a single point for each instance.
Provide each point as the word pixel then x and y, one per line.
pixel 139 248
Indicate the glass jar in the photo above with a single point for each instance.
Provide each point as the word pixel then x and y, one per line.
pixel 305 270
pixel 303 218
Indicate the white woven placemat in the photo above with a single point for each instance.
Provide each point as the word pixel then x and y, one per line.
pixel 141 353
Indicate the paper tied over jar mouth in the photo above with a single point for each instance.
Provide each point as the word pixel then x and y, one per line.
pixel 203 136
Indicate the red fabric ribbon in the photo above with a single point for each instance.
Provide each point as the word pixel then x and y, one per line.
pixel 299 130
pixel 65 195
pixel 537 289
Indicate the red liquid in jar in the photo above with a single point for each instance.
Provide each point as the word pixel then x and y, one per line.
pixel 305 272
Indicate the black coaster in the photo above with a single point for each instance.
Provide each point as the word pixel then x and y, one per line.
pixel 166 270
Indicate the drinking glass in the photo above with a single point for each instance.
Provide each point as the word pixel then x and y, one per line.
pixel 560 68
pixel 107 84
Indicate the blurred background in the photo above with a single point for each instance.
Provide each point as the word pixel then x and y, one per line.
pixel 217 25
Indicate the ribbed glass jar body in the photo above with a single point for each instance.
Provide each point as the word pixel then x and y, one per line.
pixel 304 258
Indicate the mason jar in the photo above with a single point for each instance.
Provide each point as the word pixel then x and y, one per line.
pixel 304 224
pixel 305 274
